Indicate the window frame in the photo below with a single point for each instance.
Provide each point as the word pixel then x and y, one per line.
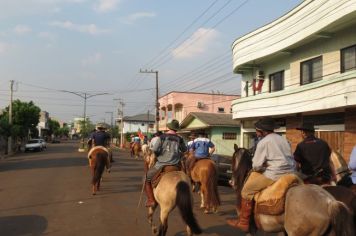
pixel 270 81
pixel 310 64
pixel 229 135
pixel 342 59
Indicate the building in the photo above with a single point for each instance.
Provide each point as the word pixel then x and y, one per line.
pixel 177 105
pixel 301 67
pixel 43 124
pixel 221 129
pixel 143 122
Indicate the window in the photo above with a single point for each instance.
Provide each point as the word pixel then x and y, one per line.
pixel 348 59
pixel 276 81
pixel 311 70
pixel 221 109
pixel 230 136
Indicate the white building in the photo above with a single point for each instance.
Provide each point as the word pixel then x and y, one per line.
pixel 301 67
pixel 43 124
pixel 132 124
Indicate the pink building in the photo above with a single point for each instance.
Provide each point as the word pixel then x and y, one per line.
pixel 177 105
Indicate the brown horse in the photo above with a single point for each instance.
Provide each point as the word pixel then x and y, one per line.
pixel 308 209
pixel 136 150
pixel 204 172
pixel 98 160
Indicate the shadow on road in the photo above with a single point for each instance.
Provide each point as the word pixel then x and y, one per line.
pixel 23 225
pixel 43 163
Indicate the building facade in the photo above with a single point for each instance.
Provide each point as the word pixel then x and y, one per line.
pixel 143 122
pixel 43 124
pixel 177 105
pixel 301 67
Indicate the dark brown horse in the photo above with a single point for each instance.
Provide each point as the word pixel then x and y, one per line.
pixel 98 160
pixel 204 172
pixel 308 209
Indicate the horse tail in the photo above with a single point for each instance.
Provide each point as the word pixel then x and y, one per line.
pixel 185 206
pixel 99 166
pixel 341 219
pixel 213 197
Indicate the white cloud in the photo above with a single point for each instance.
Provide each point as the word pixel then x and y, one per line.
pixel 137 16
pixel 4 47
pixel 90 29
pixel 22 29
pixel 106 5
pixel 93 59
pixel 197 44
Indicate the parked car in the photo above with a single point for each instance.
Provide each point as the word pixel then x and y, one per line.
pixel 223 164
pixel 34 145
pixel 44 144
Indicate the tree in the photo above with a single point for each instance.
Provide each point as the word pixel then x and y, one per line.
pixel 25 117
pixel 53 127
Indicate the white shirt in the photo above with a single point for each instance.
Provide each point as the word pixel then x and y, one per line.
pixel 352 165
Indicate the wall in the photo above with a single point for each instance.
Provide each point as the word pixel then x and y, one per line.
pixel 223 146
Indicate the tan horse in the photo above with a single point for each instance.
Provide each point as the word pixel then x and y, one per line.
pixel 204 172
pixel 309 210
pixel 98 160
pixel 136 150
pixel 174 190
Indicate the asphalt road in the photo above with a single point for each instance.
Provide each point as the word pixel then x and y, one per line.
pixel 49 193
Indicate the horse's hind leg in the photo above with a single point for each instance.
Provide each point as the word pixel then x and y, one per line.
pixel 163 222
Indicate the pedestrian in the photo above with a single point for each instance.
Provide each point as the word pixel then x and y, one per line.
pixel 168 149
pixel 313 157
pixel 272 159
pixel 201 148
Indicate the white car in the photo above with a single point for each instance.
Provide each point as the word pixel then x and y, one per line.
pixel 34 145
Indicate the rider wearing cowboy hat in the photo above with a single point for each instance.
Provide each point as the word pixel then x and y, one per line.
pixel 168 148
pixel 102 138
pixel 271 160
pixel 313 156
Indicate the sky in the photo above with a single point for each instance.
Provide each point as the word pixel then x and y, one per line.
pixel 56 51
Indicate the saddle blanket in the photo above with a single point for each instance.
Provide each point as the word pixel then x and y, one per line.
pixel 270 201
pixel 96 149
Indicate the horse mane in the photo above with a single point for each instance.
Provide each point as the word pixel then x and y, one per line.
pixel 242 171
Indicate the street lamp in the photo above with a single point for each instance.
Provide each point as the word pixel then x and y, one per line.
pixel 85 96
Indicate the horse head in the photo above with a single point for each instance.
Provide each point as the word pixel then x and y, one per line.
pixel 241 166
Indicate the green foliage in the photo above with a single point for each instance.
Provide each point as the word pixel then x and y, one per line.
pixel 53 127
pixel 25 117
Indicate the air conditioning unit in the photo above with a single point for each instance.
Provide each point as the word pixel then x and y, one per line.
pixel 200 104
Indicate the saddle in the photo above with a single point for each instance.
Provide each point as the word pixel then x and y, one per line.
pixel 270 201
pixel 161 172
pixel 96 149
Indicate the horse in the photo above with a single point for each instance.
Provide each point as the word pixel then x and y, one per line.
pixel 98 160
pixel 308 209
pixel 136 150
pixel 205 173
pixel 342 171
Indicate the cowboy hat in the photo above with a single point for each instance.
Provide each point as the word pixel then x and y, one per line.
pixel 266 124
pixel 173 125
pixel 100 126
pixel 307 126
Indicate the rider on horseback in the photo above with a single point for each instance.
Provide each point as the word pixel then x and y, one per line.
pixel 200 148
pixel 272 159
pixel 168 149
pixel 313 157
pixel 102 138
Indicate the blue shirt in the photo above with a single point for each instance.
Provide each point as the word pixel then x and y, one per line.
pixel 101 138
pixel 201 147
pixel 137 139
pixel 352 165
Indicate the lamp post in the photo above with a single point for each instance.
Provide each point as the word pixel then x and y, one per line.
pixel 120 112
pixel 85 96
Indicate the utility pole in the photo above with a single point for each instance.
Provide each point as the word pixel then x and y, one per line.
pixel 120 114
pixel 148 121
pixel 9 141
pixel 85 96
pixel 157 104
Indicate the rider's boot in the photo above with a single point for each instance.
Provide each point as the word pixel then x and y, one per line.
pixel 149 193
pixel 243 222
